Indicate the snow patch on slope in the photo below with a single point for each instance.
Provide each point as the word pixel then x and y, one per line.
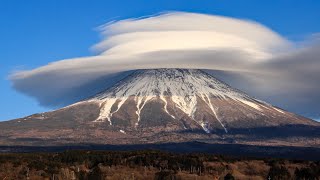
pixel 105 111
pixel 166 105
pixel 181 86
pixel 278 110
pixel 251 104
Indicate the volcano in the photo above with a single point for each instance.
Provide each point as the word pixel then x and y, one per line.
pixel 164 105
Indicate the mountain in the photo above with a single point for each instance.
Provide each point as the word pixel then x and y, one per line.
pixel 164 105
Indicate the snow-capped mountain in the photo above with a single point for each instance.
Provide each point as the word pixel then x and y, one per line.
pixel 161 105
pixel 186 95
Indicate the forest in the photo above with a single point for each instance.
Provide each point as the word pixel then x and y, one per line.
pixel 149 164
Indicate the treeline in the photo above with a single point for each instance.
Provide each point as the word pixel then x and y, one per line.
pixel 96 164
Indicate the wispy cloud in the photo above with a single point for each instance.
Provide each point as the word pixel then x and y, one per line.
pixel 246 52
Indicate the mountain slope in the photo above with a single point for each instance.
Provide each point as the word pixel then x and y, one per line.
pixel 163 105
pixel 190 94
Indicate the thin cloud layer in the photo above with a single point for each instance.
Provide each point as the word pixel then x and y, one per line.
pixel 240 52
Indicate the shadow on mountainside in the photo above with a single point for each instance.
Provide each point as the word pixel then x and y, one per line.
pixel 306 153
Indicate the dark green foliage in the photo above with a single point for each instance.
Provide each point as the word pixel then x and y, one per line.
pixel 278 173
pixel 95 174
pixel 16 163
pixel 71 157
pixel 53 167
pixel 37 165
pixel 229 177
pixel 82 175
pixel 166 175
pixel 23 173
pixel 308 173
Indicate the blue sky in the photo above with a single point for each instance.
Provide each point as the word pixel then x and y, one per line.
pixel 34 33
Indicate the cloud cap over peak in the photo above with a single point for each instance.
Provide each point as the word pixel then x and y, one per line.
pixel 243 49
pixel 179 30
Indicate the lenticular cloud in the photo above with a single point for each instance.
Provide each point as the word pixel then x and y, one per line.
pixel 188 31
pixel 242 49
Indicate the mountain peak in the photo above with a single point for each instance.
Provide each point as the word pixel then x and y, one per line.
pixel 182 86
pixel 187 92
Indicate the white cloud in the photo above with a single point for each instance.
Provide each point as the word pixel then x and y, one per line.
pixel 185 31
pixel 242 48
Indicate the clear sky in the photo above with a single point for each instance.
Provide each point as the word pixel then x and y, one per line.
pixel 36 32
